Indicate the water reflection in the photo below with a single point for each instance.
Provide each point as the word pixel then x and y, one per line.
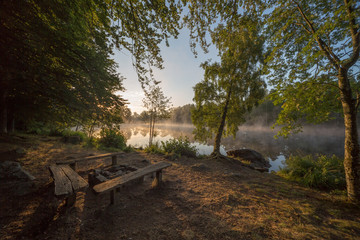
pixel 311 141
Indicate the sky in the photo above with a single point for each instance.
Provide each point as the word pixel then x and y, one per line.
pixel 180 74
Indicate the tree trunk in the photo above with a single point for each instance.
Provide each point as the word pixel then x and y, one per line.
pixel 150 130
pixel 220 130
pixel 153 128
pixel 3 113
pixel 11 124
pixel 351 154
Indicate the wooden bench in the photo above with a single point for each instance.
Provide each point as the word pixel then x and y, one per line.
pixel 67 182
pixel 115 184
pixel 73 162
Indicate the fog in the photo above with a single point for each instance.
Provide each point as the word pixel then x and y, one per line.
pixel 313 140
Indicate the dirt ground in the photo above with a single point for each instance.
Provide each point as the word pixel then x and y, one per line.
pixel 199 199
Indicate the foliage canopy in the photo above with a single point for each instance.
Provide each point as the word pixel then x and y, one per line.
pixel 230 88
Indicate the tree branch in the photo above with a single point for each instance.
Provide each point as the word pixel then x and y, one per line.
pixel 354 35
pixel 323 46
pixel 357 101
pixel 302 25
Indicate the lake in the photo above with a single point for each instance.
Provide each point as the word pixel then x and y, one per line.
pixel 316 140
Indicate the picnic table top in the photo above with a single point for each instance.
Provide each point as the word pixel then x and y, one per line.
pixel 89 158
pixel 67 180
pixel 114 183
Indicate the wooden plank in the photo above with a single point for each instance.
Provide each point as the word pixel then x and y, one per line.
pixel 116 182
pixel 89 158
pixel 76 180
pixel 62 182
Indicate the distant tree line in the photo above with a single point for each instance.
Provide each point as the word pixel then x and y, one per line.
pixel 179 115
pixel 265 114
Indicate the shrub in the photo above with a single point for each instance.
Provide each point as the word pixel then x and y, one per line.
pixel 154 148
pixel 38 128
pixel 179 146
pixel 111 138
pixel 91 143
pixel 128 149
pixel 321 172
pixel 70 133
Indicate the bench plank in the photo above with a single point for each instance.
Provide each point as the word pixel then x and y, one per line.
pixel 77 181
pixel 62 182
pixel 116 182
pixel 89 158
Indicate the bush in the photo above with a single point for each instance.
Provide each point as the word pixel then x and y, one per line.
pixel 70 133
pixel 179 146
pixel 91 143
pixel 154 148
pixel 38 128
pixel 111 138
pixel 322 172
pixel 128 149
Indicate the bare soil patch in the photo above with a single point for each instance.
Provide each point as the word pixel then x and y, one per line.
pixel 199 199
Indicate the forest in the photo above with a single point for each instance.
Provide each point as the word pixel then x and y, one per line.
pixel 282 65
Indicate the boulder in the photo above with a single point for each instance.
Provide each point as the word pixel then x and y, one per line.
pixel 20 151
pixel 13 170
pixel 23 188
pixel 257 161
pixel 15 179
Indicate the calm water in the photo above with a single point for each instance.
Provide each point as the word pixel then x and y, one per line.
pixel 312 141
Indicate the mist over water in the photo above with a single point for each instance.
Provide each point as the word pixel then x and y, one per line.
pixel 315 140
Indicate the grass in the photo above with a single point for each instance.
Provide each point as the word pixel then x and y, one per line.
pixel 321 172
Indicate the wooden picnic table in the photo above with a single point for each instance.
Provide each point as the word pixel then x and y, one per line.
pixel 116 183
pixel 68 181
pixel 73 162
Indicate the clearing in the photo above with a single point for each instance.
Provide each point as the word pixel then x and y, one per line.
pixel 199 199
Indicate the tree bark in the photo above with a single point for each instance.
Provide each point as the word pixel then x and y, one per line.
pixel 3 113
pixel 351 151
pixel 216 151
pixel 150 130
pixel 151 127
pixel 11 125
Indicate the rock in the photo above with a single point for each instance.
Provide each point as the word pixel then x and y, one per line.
pixel 199 167
pixel 18 187
pixel 145 161
pixel 261 169
pixel 119 173
pixel 94 179
pixel 23 188
pixel 234 175
pixel 106 173
pixel 188 234
pixel 13 170
pixel 231 200
pixel 257 161
pixel 20 151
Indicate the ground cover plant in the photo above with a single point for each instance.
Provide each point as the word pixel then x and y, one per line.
pixel 322 172
pixel 176 147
